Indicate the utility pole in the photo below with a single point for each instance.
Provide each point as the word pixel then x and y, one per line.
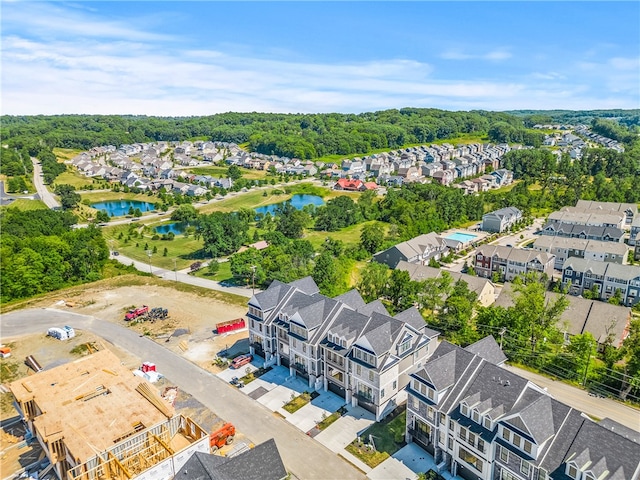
pixel 149 253
pixel 503 330
pixel 253 279
pixel 586 368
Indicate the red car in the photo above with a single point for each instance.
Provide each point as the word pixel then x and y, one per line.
pixel 241 360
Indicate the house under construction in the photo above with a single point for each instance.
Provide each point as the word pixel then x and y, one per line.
pixel 96 420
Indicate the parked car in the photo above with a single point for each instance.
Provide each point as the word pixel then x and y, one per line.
pixel 241 360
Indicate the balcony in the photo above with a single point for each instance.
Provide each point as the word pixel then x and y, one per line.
pixel 300 368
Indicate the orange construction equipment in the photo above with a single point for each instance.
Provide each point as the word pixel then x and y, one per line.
pixel 222 436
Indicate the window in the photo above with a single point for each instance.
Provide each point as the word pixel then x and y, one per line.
pixel 476 416
pixel 506 434
pixel 487 423
pixel 572 471
pixel 463 434
pixel 370 376
pixel 441 437
pixel 527 446
pixel 450 443
pixel 358 370
pixel 465 410
pixel 481 445
pixel 382 393
pixel 525 467
pixel 304 348
pixel 516 440
pixel 504 455
pixel 395 384
pixel 470 458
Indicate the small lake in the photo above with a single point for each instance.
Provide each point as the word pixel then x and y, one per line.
pixel 177 228
pixel 118 208
pixel 298 201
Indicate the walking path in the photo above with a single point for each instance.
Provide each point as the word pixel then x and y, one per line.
pixel 183 277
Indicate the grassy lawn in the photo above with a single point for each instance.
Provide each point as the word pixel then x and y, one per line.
pixel 331 418
pixel 251 199
pixel 388 437
pixel 224 273
pixel 26 204
pixel 70 177
pixel 349 235
pixel 298 402
pixel 63 154
pixel 249 174
pixel 180 249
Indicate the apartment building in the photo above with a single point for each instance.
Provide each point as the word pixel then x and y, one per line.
pixel 561 229
pixel 420 249
pixel 510 262
pixel 501 220
pixel 579 274
pixel 341 344
pixel 588 218
pixel 634 236
pixel 482 422
pixel 564 248
pixel 629 210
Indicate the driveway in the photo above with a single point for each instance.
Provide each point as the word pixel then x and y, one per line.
pixel 302 455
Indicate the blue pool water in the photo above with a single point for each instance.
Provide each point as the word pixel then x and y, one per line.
pixel 176 228
pixel 462 237
pixel 298 201
pixel 118 208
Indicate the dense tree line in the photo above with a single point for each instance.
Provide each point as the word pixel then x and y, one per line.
pixel 576 117
pixel 41 252
pixel 293 135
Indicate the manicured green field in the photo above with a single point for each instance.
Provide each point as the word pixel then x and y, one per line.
pixel 26 204
pixel 180 249
pixel 252 199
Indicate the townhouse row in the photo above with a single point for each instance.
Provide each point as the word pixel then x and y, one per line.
pixel 480 421
pixel 342 344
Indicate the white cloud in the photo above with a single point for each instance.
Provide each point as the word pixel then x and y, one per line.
pixel 83 64
pixel 494 55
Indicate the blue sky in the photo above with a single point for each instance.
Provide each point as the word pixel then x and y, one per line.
pixel 199 58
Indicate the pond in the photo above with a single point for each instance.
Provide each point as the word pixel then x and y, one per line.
pixel 176 228
pixel 298 201
pixel 118 208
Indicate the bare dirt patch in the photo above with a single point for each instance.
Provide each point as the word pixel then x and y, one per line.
pixel 188 330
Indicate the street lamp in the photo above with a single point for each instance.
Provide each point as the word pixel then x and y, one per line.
pixel 174 270
pixel 149 253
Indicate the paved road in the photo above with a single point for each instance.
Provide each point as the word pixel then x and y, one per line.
pixel 44 194
pixel 183 277
pixel 581 400
pixel 302 455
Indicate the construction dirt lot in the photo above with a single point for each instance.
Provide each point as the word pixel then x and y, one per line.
pixel 188 330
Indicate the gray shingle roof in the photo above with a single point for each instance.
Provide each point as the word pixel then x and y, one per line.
pixel 262 462
pixel 488 349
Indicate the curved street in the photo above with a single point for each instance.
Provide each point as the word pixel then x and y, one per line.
pixel 303 456
pixel 45 195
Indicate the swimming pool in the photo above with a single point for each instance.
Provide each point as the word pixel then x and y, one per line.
pixel 462 237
